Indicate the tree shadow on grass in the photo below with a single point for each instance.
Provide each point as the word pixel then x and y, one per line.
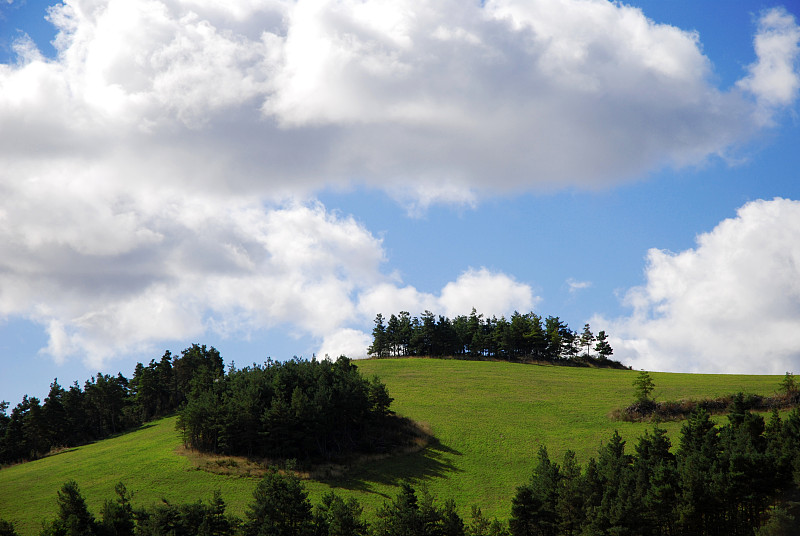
pixel 56 451
pixel 434 461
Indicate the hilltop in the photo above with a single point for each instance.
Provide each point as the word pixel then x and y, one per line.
pixel 488 419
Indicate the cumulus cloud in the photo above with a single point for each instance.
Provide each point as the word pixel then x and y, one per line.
pixel 488 292
pixel 157 270
pixel 145 169
pixel 732 304
pixel 181 269
pixel 774 79
pixel 350 342
pixel 434 101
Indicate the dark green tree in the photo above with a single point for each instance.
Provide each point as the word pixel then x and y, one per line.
pixel 280 507
pixel 479 525
pixel 586 339
pixel 55 416
pixel 571 501
pixel 698 502
pixel 7 528
pixel 401 516
pixel 393 335
pixel 555 332
pixel 74 518
pixel 334 516
pixel 603 348
pixel 656 476
pixel 117 516
pixel 524 507
pixel 643 387
pixel 380 343
pixel 617 512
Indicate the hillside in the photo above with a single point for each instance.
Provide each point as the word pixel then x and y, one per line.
pixel 489 418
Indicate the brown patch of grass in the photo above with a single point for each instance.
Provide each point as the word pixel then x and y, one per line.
pixel 222 464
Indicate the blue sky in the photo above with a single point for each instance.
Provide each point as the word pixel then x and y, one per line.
pixel 265 177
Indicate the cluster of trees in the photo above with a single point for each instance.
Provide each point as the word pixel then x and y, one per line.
pixel 298 409
pixel 105 406
pixel 522 337
pixel 280 507
pixel 720 481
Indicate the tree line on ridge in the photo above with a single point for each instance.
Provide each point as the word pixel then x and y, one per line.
pixel 521 337
pixel 106 405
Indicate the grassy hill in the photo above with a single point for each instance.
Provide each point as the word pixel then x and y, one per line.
pixel 489 419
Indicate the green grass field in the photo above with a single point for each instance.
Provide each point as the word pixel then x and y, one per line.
pixel 489 419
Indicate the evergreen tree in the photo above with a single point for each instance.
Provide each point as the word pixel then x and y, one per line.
pixel 55 416
pixel 555 331
pixel 656 476
pixel 524 508
pixel 570 349
pixel 404 332
pixel 117 516
pixel 698 503
pixel 280 507
pixel 336 517
pixel 479 525
pixel 7 528
pixel 401 516
pixel 571 501
pixel 587 338
pixel 643 387
pixel 617 512
pixel 74 518
pixel 603 348
pixel 449 522
pixel 380 346
pixel 393 336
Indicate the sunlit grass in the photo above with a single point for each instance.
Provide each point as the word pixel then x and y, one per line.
pixel 489 419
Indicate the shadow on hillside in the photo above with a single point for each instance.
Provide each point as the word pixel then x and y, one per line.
pixel 434 461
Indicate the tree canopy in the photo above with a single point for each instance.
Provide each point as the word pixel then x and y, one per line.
pixel 519 338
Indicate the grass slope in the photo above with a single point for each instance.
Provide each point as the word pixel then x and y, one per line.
pixel 489 418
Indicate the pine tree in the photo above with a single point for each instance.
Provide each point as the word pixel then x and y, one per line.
pixel 643 387
pixel 336 517
pixel 571 501
pixel 74 518
pixel 379 347
pixel 280 507
pixel 117 515
pixel 587 338
pixel 401 516
pixel 603 348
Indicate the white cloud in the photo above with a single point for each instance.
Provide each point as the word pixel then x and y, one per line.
pixel 433 101
pixel 110 276
pixel 732 304
pixel 774 79
pixel 488 292
pixel 349 342
pixel 145 170
pixel 575 286
pixel 179 268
